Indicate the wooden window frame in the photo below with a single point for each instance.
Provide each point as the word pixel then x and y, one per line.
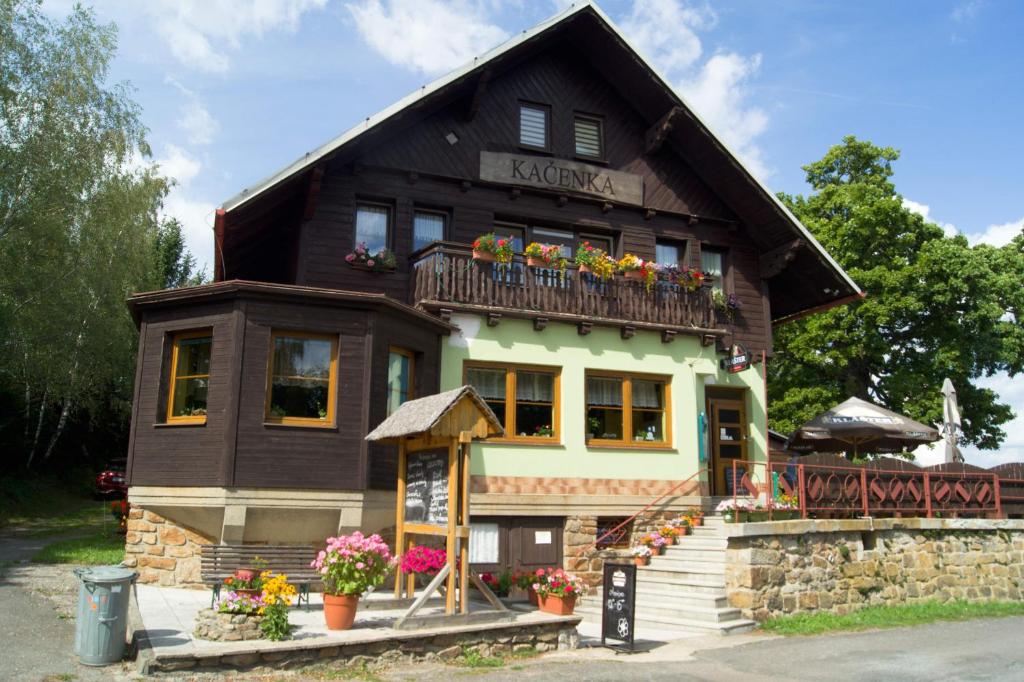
pixel 445 217
pixel 176 340
pixel 599 120
pixel 332 382
pixel 510 400
pixel 389 230
pixel 627 411
pixel 546 108
pixel 726 271
pixel 405 352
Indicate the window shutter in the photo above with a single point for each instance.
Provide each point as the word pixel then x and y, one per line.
pixel 588 137
pixel 533 123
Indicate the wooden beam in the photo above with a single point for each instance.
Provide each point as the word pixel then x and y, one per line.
pixel 667 336
pixel 478 94
pixel 539 323
pixel 778 259
pixel 400 511
pixel 656 135
pixel 627 331
pixel 583 328
pixel 312 192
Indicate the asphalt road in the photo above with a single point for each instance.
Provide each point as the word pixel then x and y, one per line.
pixel 987 649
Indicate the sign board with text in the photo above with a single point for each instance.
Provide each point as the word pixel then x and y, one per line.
pixel 618 606
pixel 560 175
pixel 737 360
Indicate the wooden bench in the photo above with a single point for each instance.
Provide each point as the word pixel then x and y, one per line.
pixel 218 562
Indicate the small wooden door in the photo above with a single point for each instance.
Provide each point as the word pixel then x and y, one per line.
pixel 728 425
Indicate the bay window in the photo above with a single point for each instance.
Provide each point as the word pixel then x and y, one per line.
pixel 190 377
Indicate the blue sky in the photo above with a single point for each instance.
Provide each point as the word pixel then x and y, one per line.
pixel 232 90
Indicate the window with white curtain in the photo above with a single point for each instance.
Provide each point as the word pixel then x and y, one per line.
pixel 372 225
pixel 427 228
pixel 624 409
pixel 483 543
pixel 713 263
pixel 525 399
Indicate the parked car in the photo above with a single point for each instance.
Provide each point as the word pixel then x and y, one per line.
pixel 111 482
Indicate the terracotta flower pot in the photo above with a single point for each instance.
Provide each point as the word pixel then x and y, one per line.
pixel 246 574
pixel 531 594
pixel 340 610
pixel 640 560
pixel 536 262
pixel 698 520
pixel 585 269
pixel 485 256
pixel 248 592
pixel 559 606
pixel 637 275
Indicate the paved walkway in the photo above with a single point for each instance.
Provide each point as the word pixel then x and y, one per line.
pixel 984 649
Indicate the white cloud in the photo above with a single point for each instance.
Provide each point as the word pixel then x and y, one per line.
pixel 1011 392
pixel 428 36
pixel 195 215
pixel 924 211
pixel 195 120
pixel 200 33
pixel 666 31
pixel 966 11
pixel 998 235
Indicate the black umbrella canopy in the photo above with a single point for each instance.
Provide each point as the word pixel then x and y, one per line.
pixel 859 426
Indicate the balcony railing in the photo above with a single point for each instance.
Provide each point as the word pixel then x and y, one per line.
pixel 448 277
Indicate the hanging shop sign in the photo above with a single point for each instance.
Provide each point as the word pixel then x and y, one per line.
pixel 560 175
pixel 737 360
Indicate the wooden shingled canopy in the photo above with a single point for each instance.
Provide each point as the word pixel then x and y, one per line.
pixel 443 415
pixel 433 435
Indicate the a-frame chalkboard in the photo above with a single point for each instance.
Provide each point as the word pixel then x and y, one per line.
pixel 618 607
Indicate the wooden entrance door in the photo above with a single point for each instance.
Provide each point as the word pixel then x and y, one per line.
pixel 728 441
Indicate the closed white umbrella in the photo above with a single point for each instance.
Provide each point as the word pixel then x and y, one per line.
pixel 950 428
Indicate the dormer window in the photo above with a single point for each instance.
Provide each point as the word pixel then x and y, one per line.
pixel 587 130
pixel 534 126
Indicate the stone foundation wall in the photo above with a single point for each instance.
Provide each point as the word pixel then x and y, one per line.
pixel 401 647
pixel 163 552
pixel 839 566
pixel 227 627
pixel 581 532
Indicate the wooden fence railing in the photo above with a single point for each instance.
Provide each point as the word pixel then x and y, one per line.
pixel 831 486
pixel 450 276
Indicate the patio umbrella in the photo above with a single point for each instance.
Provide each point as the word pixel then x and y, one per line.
pixel 950 427
pixel 861 426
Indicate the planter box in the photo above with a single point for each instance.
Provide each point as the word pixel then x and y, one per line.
pixel 559 606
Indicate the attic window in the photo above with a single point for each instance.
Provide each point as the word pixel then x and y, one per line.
pixel 588 136
pixel 533 126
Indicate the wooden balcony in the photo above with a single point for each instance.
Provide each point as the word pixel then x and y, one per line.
pixel 446 278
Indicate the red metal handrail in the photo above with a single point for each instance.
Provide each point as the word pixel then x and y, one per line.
pixel 653 502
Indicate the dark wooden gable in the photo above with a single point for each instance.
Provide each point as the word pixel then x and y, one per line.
pixel 558 78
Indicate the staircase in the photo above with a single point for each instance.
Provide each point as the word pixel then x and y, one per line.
pixel 683 590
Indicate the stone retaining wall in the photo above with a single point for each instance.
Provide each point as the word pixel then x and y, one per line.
pixel 841 565
pixel 164 553
pixel 377 651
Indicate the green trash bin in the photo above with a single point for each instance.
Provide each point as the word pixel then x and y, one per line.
pixel 103 595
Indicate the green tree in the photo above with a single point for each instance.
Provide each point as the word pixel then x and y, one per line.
pixel 79 227
pixel 936 307
pixel 175 265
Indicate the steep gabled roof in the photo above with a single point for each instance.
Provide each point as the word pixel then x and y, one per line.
pixel 818 279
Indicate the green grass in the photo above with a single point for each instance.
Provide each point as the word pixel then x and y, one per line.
pixel 36 507
pixel 96 549
pixel 473 659
pixel 876 617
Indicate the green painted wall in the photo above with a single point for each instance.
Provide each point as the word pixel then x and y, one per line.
pixel 689 364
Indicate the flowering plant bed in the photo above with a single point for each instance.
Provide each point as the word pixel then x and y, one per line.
pixel 558 582
pixel 591 259
pixel 544 255
pixel 381 261
pixel 218 626
pixel 689 279
pixel 500 584
pixel 423 560
pixel 490 248
pixel 634 267
pixel 240 603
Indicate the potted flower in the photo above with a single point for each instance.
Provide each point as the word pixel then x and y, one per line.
pixel 380 261
pixel 488 248
pixel 726 305
pixel 524 581
pixel 350 565
pixel 785 507
pixel 247 580
pixel 669 533
pixel 423 561
pixel 544 256
pixel 641 554
pixel 636 268
pixel 591 259
pixel 655 542
pixel 544 431
pixel 696 517
pixel 559 591
pixel 500 584
pixel 734 511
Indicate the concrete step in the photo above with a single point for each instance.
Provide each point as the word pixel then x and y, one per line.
pixel 682 585
pixel 650 609
pixel 686 564
pixel 678 624
pixel 694 554
pixel 701 542
pixel 683 600
pixel 703 576
pixel 707 532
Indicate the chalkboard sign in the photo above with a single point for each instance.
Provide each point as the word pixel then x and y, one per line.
pixel 426 487
pixel 618 608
